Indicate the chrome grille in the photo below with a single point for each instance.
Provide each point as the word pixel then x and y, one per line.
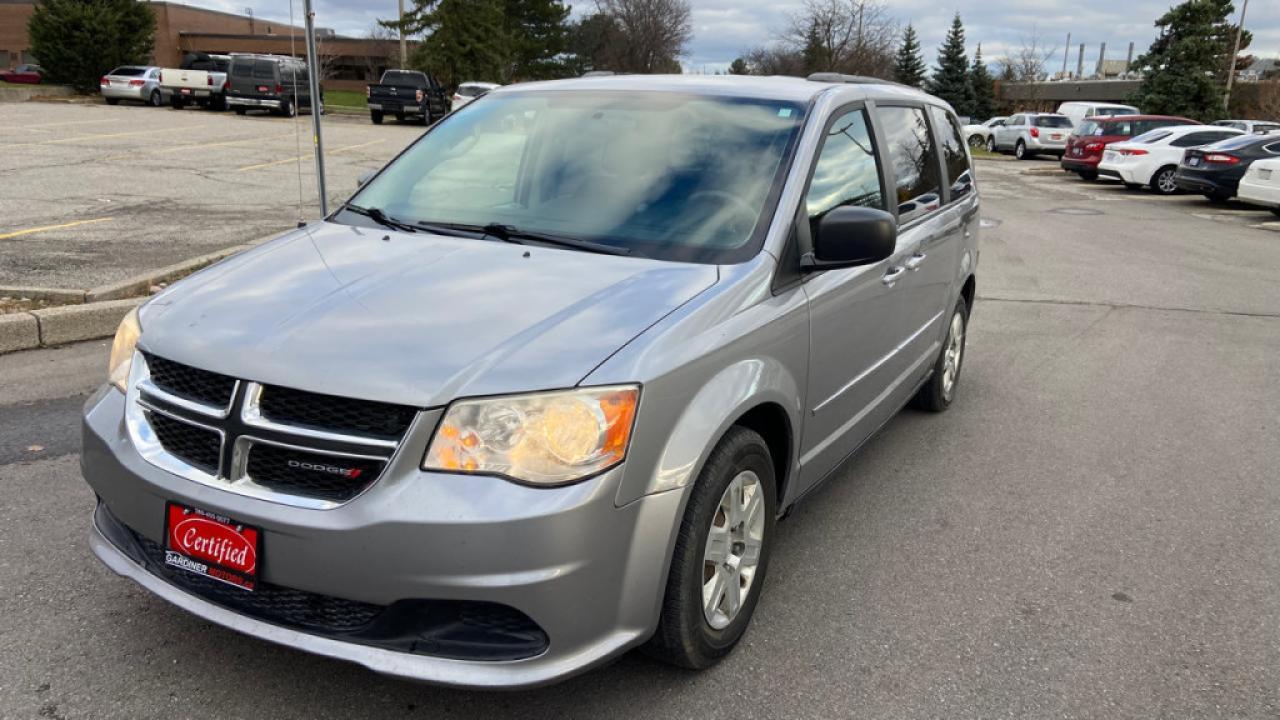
pixel 279 444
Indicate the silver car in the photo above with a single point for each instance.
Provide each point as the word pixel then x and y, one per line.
pixel 132 82
pixel 1029 134
pixel 538 392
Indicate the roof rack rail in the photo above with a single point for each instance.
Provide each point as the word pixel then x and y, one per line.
pixel 834 77
pixel 597 73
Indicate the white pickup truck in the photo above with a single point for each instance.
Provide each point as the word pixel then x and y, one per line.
pixel 202 79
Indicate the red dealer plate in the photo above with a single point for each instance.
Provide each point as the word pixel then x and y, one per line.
pixel 212 545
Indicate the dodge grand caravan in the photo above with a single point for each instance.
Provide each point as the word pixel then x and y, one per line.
pixel 539 391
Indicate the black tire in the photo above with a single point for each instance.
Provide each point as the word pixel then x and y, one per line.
pixel 931 396
pixel 399 117
pixel 112 101
pixel 976 141
pixel 1088 175
pixel 287 108
pixel 1160 185
pixel 684 637
pixel 1020 151
pixel 1218 198
pixel 218 103
pixel 991 144
pixel 1275 211
pixel 177 103
pixel 376 116
pixel 241 110
pixel 1133 186
pixel 155 99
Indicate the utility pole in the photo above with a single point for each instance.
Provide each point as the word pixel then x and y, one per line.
pixel 1080 63
pixel 313 79
pixel 1066 51
pixel 1102 62
pixel 404 60
pixel 1235 52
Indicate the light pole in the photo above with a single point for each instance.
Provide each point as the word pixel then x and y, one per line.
pixel 1235 52
pixel 403 55
pixel 313 79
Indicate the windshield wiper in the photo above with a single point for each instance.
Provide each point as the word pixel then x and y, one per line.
pixel 510 234
pixel 380 217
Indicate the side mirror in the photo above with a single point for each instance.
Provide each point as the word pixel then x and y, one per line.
pixel 360 181
pixel 849 236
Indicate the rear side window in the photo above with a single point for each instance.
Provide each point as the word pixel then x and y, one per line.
pixel 471 90
pixel 1264 128
pixel 1196 139
pixel 1236 142
pixel 914 160
pixel 264 69
pixel 1122 128
pixel 1052 121
pixel 954 158
pixel 1016 120
pixel 846 172
pixel 241 68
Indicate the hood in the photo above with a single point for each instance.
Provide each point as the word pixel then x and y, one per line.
pixel 413 319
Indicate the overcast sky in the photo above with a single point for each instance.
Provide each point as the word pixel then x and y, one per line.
pixel 723 29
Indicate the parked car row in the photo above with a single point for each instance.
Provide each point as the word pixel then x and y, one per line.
pixel 28 73
pixel 240 82
pixel 415 95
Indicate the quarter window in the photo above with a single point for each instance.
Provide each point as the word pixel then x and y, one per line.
pixel 956 159
pixel 846 172
pixel 914 160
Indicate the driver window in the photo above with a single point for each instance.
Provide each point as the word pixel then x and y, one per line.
pixel 847 171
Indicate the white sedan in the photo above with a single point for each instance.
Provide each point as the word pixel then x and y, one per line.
pixel 1261 184
pixel 469 91
pixel 978 135
pixel 1152 158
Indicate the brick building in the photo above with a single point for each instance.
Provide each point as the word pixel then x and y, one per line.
pixel 349 63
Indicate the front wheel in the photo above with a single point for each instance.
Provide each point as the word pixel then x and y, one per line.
pixel 975 141
pixel 991 144
pixel 1163 183
pixel 376 116
pixel 721 554
pixel 938 392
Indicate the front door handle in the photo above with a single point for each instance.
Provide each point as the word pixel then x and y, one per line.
pixel 892 275
pixel 913 262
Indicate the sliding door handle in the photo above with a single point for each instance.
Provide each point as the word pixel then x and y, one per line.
pixel 893 275
pixel 913 262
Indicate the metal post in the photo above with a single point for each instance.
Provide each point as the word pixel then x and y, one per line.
pixel 1101 72
pixel 313 78
pixel 1080 63
pixel 1235 52
pixel 1128 60
pixel 1066 51
pixel 404 57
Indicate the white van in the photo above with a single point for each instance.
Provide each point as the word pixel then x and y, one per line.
pixel 1078 111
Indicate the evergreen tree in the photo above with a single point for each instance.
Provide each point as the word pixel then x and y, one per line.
pixel 908 64
pixel 739 67
pixel 537 33
pixel 1185 70
pixel 78 40
pixel 984 89
pixel 951 80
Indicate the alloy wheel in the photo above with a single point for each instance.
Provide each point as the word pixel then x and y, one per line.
pixel 952 357
pixel 1165 183
pixel 733 549
pixel 991 144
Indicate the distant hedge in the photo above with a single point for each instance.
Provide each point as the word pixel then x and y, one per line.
pixel 78 41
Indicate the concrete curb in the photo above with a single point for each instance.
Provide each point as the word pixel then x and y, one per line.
pixel 18 331
pixel 72 323
pixel 141 284
pixel 60 296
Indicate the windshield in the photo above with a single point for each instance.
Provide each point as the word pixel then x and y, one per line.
pixel 1052 121
pixel 1151 136
pixel 1104 111
pixel 663 175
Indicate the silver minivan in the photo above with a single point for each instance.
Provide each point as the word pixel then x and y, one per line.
pixel 539 391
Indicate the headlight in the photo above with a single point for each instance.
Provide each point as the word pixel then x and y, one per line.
pixel 549 438
pixel 122 351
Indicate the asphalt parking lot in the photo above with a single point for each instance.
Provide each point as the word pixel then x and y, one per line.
pixel 1093 529
pixel 94 194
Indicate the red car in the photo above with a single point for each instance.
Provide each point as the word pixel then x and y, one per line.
pixel 30 74
pixel 1086 142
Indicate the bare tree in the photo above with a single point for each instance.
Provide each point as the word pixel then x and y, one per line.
pixel 383 52
pixel 1027 62
pixel 653 34
pixel 849 36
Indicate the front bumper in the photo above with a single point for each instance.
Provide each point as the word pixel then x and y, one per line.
pixel 589 574
pixel 234 101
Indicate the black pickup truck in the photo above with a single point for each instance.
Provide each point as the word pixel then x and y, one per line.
pixel 405 94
